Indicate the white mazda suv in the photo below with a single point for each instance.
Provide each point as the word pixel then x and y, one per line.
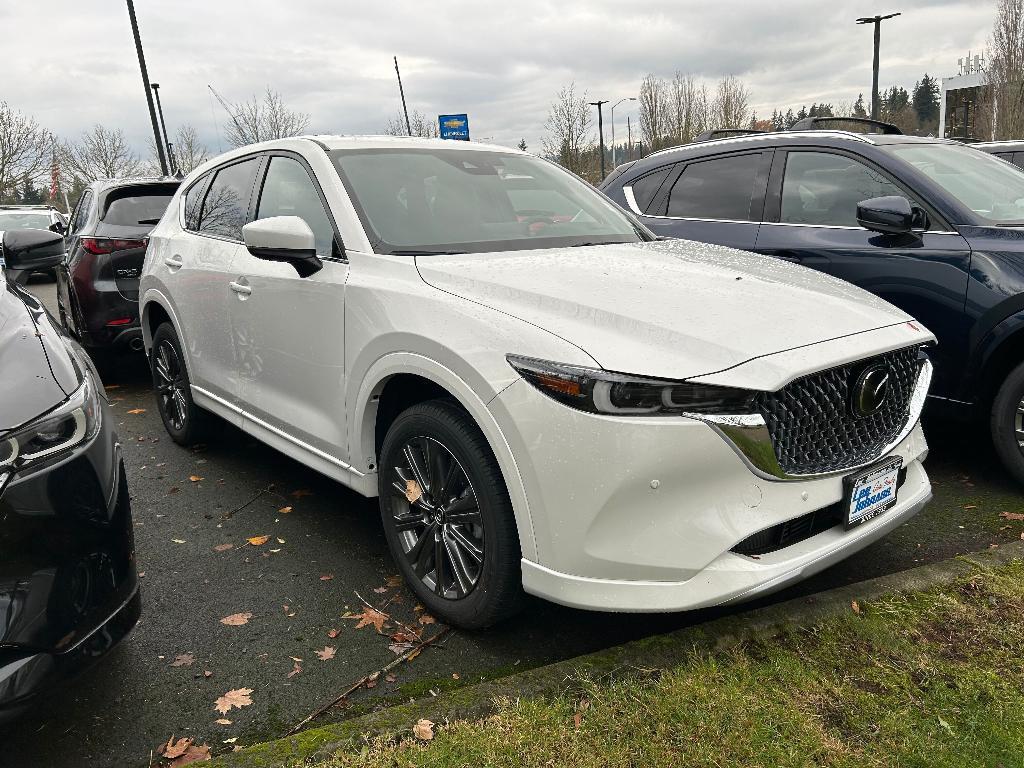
pixel 543 396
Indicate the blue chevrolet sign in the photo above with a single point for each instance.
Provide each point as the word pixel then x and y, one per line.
pixel 454 127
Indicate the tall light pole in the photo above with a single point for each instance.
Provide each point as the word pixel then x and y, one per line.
pixel 600 130
pixel 628 98
pixel 401 90
pixel 163 125
pixel 877 21
pixel 145 85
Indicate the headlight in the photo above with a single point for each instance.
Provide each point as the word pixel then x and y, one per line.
pixel 73 422
pixel 599 391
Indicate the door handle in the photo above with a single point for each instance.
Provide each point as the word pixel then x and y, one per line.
pixel 241 289
pixel 174 262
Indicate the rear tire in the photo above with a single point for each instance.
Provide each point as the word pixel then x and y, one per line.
pixel 442 496
pixel 185 422
pixel 1007 423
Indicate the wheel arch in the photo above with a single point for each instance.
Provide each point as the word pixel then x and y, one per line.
pixel 401 379
pixel 156 310
pixel 1000 352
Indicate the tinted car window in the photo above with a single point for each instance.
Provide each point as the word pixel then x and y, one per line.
pixel 716 189
pixel 824 189
pixel 82 212
pixel 194 202
pixel 227 201
pixel 646 187
pixel 134 206
pixel 288 191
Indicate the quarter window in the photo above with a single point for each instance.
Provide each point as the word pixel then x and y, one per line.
pixel 194 202
pixel 227 201
pixel 722 188
pixel 646 189
pixel 288 191
pixel 82 212
pixel 823 189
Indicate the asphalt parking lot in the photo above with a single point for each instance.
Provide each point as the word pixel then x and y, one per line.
pixel 324 552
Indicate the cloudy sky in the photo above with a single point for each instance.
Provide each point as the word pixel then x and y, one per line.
pixel 72 63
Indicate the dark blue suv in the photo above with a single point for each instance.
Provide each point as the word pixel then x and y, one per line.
pixel 933 226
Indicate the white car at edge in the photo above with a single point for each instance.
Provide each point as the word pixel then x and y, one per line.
pixel 542 396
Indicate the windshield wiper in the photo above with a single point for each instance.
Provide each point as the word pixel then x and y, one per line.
pixel 424 252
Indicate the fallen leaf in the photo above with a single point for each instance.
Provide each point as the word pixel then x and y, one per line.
pixel 577 720
pixel 945 725
pixel 236 619
pixel 222 721
pixel 173 749
pixel 285 510
pixel 295 670
pixel 133 411
pixel 393 581
pixel 240 697
pixel 423 730
pixel 232 740
pixel 280 541
pixel 184 660
pixel 455 675
pixel 390 678
pixel 332 633
pixel 327 577
pixel 369 616
pixel 194 478
pixel 1011 516
pixel 413 492
pixel 380 590
pixel 258 541
pixel 426 618
pixel 178 541
pixel 223 547
pixel 300 493
pixel 194 754
pixel 327 653
pixel 399 648
pixel 855 605
pixel 207 673
pixel 371 681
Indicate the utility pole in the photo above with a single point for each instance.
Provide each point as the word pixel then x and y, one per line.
pixel 628 98
pixel 145 85
pixel 401 90
pixel 629 137
pixel 877 21
pixel 163 127
pixel 600 130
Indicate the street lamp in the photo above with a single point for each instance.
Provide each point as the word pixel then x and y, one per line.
pixel 877 21
pixel 163 126
pixel 628 98
pixel 600 130
pixel 145 84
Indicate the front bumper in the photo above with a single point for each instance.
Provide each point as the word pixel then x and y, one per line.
pixel 68 582
pixel 642 514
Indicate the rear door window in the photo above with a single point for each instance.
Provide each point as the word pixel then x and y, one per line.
pixel 82 212
pixel 645 189
pixel 226 204
pixel 722 188
pixel 288 191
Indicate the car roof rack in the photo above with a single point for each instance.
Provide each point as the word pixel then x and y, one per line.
pixel 724 133
pixel 822 123
pixel 33 207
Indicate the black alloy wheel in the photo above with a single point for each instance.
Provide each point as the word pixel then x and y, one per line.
pixel 185 422
pixel 447 516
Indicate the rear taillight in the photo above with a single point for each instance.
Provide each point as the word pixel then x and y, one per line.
pixel 101 245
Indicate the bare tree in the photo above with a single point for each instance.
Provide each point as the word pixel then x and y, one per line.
pixel 688 102
pixel 731 108
pixel 655 112
pixel 102 153
pixel 263 119
pixel 420 124
pixel 189 152
pixel 1005 102
pixel 26 149
pixel 568 126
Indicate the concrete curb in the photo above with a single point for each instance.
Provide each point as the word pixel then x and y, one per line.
pixel 659 651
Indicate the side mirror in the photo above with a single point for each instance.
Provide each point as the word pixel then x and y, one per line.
pixel 58 227
pixel 283 238
pixel 29 250
pixel 890 215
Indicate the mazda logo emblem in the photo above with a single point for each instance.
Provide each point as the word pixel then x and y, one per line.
pixel 870 390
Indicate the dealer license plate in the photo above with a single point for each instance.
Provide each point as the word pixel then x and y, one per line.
pixel 872 492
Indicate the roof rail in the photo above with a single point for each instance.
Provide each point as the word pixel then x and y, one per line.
pixel 30 206
pixel 821 123
pixel 723 133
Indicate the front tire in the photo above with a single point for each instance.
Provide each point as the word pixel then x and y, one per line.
pixel 185 422
pixel 1007 423
pixel 447 516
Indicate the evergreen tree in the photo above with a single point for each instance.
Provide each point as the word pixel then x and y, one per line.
pixel 926 101
pixel 802 113
pixel 522 144
pixel 858 106
pixel 790 118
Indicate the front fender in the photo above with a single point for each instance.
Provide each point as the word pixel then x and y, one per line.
pixel 364 417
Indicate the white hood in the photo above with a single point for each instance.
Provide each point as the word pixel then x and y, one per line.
pixel 674 309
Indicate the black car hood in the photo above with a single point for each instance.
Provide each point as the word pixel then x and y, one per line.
pixel 36 368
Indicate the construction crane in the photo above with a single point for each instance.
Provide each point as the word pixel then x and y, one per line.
pixel 227 108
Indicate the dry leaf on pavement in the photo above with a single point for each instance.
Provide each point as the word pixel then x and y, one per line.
pixel 1011 516
pixel 183 660
pixel 239 697
pixel 258 541
pixel 196 753
pixel 369 616
pixel 194 478
pixel 426 618
pixel 423 730
pixel 222 721
pixel 295 670
pixel 332 633
pixel 285 510
pixel 327 653
pixel 173 748
pixel 236 619
pixel 327 577
pixel 223 547
pixel 133 411
pixel 394 581
pixel 855 606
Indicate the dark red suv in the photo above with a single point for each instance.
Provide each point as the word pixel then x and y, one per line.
pixel 98 281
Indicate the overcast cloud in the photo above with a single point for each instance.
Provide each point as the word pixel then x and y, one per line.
pixel 72 63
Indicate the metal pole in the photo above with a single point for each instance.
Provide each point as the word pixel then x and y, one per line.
pixel 628 98
pixel 629 137
pixel 877 21
pixel 145 85
pixel 401 90
pixel 163 126
pixel 600 130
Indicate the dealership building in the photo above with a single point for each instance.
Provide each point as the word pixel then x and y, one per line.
pixel 960 99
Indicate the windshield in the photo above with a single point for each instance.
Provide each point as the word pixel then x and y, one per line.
pixel 990 187
pixel 24 221
pixel 418 201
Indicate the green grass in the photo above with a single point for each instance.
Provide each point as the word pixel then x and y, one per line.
pixel 928 679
